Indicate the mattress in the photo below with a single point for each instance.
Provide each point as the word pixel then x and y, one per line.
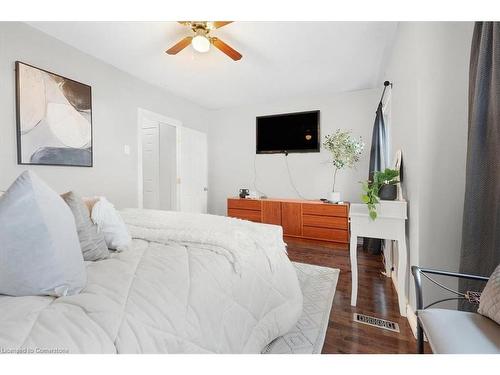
pixel 188 284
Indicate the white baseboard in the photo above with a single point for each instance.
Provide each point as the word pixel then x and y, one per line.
pixel 394 277
pixel 410 314
pixel 412 321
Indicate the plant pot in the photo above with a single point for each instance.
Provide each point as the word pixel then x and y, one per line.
pixel 388 192
pixel 334 196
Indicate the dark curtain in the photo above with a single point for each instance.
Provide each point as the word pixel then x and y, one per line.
pixel 378 155
pixel 481 222
pixel 379 144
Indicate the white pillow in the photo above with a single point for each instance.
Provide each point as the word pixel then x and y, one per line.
pixel 39 249
pixel 489 304
pixel 111 225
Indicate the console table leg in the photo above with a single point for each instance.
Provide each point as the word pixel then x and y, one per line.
pixel 402 273
pixel 388 246
pixel 353 249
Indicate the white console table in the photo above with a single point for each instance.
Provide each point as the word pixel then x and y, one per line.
pixel 389 225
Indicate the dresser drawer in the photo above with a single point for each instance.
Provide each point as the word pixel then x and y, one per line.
pixel 335 222
pixel 326 234
pixel 325 209
pixel 244 204
pixel 251 215
pixel 271 212
pixel 291 218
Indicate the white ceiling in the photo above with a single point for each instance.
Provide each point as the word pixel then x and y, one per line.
pixel 280 59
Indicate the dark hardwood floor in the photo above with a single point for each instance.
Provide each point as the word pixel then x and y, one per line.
pixel 376 297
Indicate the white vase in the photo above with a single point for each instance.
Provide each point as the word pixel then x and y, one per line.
pixel 334 196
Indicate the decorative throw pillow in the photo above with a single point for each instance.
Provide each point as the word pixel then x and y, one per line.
pixel 91 239
pixel 489 305
pixel 89 203
pixel 39 249
pixel 111 225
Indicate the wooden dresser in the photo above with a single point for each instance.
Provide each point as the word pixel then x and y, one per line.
pixel 299 218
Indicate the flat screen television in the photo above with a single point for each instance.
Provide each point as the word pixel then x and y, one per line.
pixel 290 132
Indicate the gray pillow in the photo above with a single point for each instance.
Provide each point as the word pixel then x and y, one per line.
pixel 489 305
pixel 91 239
pixel 39 249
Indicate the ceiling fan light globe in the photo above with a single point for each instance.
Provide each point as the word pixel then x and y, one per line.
pixel 200 43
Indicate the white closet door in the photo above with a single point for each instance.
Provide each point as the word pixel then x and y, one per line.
pixel 193 168
pixel 150 167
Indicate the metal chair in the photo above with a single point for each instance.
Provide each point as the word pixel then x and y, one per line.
pixel 418 273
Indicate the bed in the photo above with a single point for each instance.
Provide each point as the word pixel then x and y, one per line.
pixel 189 283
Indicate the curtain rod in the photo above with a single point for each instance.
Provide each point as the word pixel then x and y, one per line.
pixel 386 83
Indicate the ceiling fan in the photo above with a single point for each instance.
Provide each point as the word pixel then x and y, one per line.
pixel 201 40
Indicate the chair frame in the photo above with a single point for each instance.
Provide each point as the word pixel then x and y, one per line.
pixel 418 272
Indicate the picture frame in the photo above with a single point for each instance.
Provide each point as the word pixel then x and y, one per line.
pixel 53 119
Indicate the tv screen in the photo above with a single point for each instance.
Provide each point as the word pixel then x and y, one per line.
pixel 291 132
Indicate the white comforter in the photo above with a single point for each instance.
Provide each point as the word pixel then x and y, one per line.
pixel 189 284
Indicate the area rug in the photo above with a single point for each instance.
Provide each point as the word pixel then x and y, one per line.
pixel 318 286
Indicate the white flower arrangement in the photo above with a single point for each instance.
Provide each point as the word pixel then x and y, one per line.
pixel 346 150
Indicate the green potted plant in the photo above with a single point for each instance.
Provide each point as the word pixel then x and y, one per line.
pixel 346 151
pixel 372 189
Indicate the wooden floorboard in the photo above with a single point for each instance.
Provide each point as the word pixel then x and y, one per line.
pixel 376 297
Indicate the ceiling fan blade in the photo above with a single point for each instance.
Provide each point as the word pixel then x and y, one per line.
pixel 218 24
pixel 179 46
pixel 231 52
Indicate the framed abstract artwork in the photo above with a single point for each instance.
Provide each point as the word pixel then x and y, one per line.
pixel 54 118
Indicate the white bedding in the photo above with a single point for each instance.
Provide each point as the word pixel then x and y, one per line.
pixel 189 284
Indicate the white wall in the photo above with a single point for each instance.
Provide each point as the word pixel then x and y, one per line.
pixel 116 97
pixel 429 71
pixel 405 111
pixel 232 150
pixel 444 138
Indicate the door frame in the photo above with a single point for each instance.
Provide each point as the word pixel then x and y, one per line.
pixel 143 114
